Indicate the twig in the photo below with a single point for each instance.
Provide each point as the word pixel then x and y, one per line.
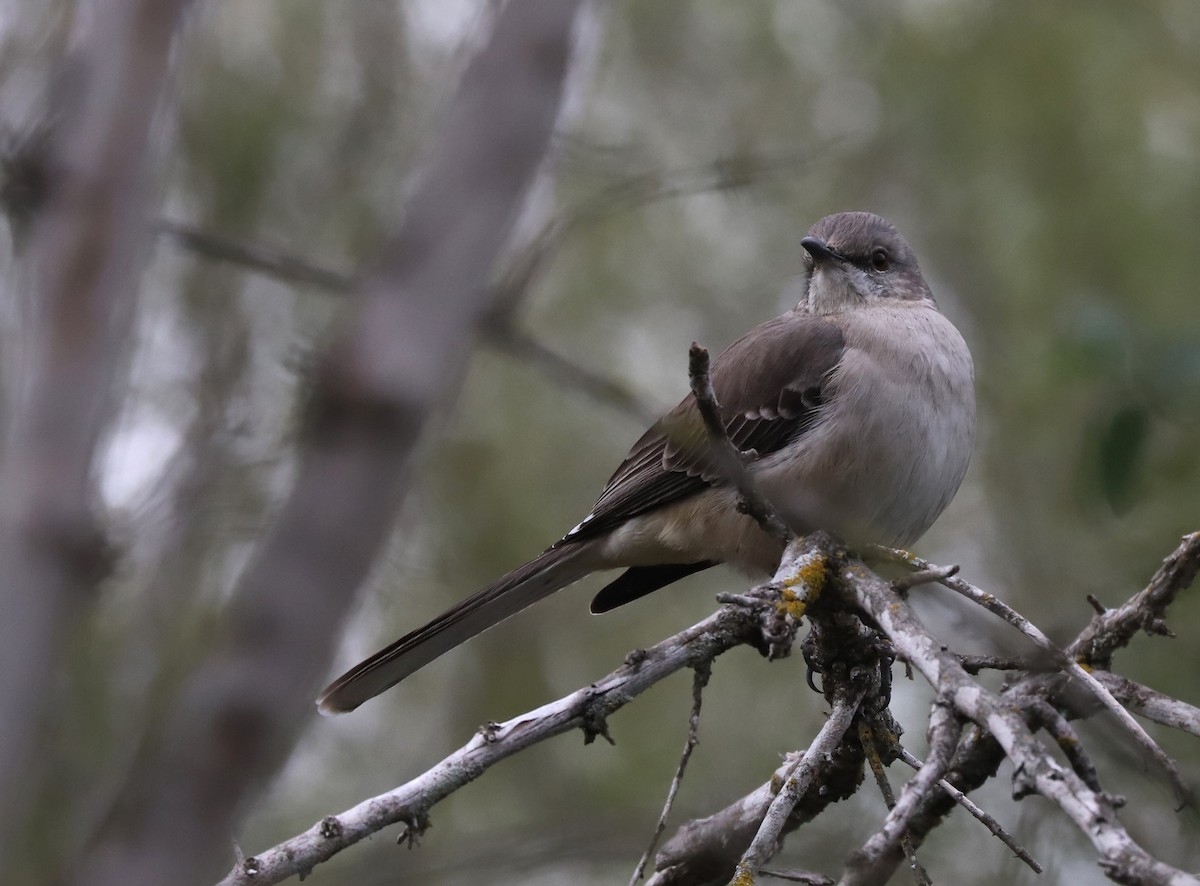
pixel 699 680
pixel 979 814
pixel 729 460
pixel 996 606
pixel 807 878
pixel 889 798
pixel 268 260
pixel 801 777
pixel 924 577
pixel 944 729
pixel 565 371
pixel 973 664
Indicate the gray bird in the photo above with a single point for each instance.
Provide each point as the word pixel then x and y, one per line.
pixel 858 406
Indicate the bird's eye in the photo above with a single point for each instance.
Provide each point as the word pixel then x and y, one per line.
pixel 880 260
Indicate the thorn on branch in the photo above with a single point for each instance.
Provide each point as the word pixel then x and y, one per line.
pixel 1096 604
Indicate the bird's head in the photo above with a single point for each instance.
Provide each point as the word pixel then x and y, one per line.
pixel 855 259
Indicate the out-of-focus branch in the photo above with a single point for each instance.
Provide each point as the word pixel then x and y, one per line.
pixel 84 248
pixel 979 815
pixel 586 709
pixel 402 353
pixel 270 261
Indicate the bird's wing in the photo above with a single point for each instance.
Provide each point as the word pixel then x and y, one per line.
pixel 764 405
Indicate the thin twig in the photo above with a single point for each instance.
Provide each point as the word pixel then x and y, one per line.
pixel 700 679
pixel 565 371
pixel 973 664
pixel 944 730
pixel 730 462
pixel 973 809
pixel 270 261
pixel 889 798
pixel 807 878
pixel 924 577
pixel 1052 720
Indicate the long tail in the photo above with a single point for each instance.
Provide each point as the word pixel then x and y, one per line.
pixel 548 572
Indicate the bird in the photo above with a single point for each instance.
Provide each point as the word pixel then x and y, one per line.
pixel 855 411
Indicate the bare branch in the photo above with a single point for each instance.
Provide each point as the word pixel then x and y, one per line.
pixel 568 373
pixel 979 815
pixel 973 664
pixel 944 729
pixel 1181 571
pixel 1091 811
pixel 586 709
pixel 273 262
pixel 920 875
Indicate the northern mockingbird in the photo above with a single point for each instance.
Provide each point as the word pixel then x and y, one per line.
pixel 858 406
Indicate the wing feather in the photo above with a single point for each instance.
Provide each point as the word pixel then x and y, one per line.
pixel 770 385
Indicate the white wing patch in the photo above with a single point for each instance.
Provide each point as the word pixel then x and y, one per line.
pixel 579 525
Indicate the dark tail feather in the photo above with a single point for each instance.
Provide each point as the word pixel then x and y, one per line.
pixel 640 581
pixel 550 571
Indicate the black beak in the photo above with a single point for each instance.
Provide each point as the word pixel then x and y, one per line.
pixel 820 250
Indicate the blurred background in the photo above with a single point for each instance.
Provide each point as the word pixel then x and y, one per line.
pixel 1042 159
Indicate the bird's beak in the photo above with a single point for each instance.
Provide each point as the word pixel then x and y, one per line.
pixel 820 250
